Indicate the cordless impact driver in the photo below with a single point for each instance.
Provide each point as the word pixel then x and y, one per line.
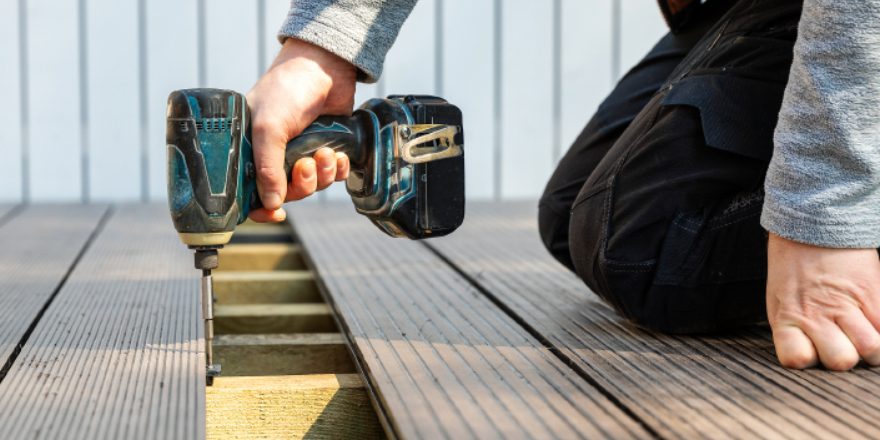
pixel 406 170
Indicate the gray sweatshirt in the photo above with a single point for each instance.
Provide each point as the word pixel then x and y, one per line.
pixel 823 184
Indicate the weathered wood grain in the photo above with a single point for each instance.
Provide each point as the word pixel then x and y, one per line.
pixel 119 353
pixel 38 246
pixel 284 354
pixel 324 406
pixel 720 386
pixel 264 287
pixel 440 359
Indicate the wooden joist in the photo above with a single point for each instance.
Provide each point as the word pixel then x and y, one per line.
pixel 250 233
pixel 273 319
pixel 291 407
pixel 38 246
pixel 261 256
pixel 119 352
pixel 721 386
pixel 265 287
pixel 284 354
pixel 441 360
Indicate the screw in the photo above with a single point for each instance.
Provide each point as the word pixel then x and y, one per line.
pixel 404 132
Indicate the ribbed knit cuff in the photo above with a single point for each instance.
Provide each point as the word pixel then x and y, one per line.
pixel 840 232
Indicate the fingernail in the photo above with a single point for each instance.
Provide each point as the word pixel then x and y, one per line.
pixel 308 171
pixel 327 161
pixel 271 199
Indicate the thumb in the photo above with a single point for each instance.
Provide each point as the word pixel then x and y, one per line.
pixel 269 144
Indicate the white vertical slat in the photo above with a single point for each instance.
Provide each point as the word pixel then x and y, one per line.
pixel 10 112
pixel 468 83
pixel 586 58
pixel 113 106
pixel 172 63
pixel 642 25
pixel 409 66
pixel 231 44
pixel 275 14
pixel 527 91
pixel 365 92
pixel 54 105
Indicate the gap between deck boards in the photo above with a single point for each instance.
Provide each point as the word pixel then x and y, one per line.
pixel 370 386
pixel 9 215
pixel 543 340
pixel 287 372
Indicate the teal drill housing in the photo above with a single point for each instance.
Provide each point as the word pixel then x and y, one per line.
pixel 406 155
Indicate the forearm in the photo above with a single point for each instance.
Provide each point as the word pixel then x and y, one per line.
pixel 823 184
pixel 359 31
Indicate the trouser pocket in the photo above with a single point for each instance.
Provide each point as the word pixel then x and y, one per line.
pixel 722 243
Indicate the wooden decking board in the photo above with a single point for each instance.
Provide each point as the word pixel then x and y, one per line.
pixel 723 386
pixel 852 396
pixel 443 361
pixel 119 353
pixel 38 246
pixel 8 211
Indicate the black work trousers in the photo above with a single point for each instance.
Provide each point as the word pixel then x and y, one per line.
pixel 657 204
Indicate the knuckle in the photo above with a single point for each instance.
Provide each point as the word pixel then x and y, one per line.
pixel 268 172
pixel 261 126
pixel 871 348
pixel 798 360
pixel 842 362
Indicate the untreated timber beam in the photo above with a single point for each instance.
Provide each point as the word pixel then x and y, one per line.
pixel 261 233
pixel 325 406
pixel 273 318
pixel 263 256
pixel 275 355
pixel 264 287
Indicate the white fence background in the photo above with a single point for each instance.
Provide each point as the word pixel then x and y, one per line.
pixel 84 82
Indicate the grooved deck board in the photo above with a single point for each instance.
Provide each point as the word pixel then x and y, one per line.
pixel 38 245
pixel 7 209
pixel 119 353
pixel 720 386
pixel 440 359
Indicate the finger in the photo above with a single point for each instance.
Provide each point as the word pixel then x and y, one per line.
pixel 863 336
pixel 326 160
pixel 269 145
pixel 342 167
pixel 836 351
pixel 304 180
pixel 263 215
pixel 793 348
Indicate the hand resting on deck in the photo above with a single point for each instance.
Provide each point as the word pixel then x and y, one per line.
pixel 823 304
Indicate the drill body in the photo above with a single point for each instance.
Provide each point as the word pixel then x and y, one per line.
pixel 407 170
pixel 406 156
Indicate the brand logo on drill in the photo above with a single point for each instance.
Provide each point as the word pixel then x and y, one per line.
pixel 333 128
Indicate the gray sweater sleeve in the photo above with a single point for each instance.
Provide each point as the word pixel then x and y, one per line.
pixel 823 185
pixel 359 31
